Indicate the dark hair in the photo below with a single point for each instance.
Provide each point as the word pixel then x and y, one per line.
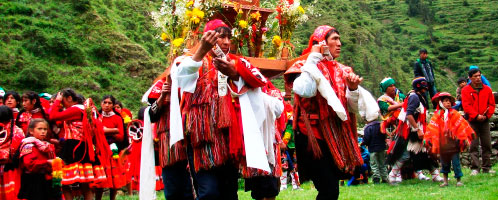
pixel 6 114
pixel 68 92
pixel 141 113
pixel 422 50
pixel 113 100
pixel 15 95
pixel 224 30
pixel 31 96
pixel 119 103
pixel 473 71
pixel 461 79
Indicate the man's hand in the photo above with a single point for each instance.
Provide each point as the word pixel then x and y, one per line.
pixel 207 42
pixel 166 88
pixel 59 96
pixel 353 80
pixel 420 133
pixel 480 118
pixel 226 67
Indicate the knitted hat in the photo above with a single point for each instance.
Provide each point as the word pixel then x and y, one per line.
pixel 473 67
pixel 419 83
pixel 2 92
pixel 385 83
pixel 214 24
pixel 318 36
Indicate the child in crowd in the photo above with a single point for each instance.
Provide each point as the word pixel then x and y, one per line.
pixel 10 140
pixel 461 82
pixel 36 156
pixel 376 143
pixel 448 134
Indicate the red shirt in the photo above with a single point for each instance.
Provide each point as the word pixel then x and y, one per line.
pixel 478 103
pixel 72 117
pixel 34 161
pixel 114 121
pixel 25 118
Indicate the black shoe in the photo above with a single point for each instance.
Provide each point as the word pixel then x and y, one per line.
pixel 376 180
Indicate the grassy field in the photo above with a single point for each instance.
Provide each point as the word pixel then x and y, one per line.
pixel 482 186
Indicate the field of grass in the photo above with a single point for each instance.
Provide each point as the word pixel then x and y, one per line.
pixel 482 186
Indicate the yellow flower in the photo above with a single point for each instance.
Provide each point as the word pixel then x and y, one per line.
pixel 256 16
pixel 243 24
pixel 164 36
pixel 277 41
pixel 190 3
pixel 198 13
pixel 301 9
pixel 188 13
pixel 177 42
pixel 240 11
pixel 195 20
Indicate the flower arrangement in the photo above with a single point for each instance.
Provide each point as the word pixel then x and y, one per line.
pixel 248 28
pixel 290 14
pixel 57 165
pixel 180 20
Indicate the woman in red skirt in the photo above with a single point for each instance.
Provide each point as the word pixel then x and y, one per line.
pixel 114 132
pixel 77 152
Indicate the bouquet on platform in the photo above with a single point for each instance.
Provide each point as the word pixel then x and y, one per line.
pixel 290 14
pixel 247 29
pixel 180 20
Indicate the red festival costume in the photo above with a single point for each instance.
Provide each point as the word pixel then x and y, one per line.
pixel 10 176
pixel 317 120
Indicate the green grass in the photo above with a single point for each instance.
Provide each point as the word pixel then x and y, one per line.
pixel 482 186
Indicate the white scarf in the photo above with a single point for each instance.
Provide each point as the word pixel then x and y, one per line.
pixel 108 114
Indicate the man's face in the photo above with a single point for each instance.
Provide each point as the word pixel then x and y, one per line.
pixel 334 44
pixel 476 78
pixel 423 55
pixel 462 84
pixel 391 90
pixel 224 42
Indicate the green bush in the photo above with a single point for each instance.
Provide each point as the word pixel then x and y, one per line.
pixel 450 48
pixel 81 5
pixel 33 78
pixel 15 9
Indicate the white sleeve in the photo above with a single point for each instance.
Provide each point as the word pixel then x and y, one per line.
pixel 188 73
pixel 353 97
pixel 306 84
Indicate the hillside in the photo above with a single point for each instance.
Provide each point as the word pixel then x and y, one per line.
pixel 110 46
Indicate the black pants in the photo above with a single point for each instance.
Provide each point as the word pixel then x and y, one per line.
pixel 177 182
pixel 323 171
pixel 217 183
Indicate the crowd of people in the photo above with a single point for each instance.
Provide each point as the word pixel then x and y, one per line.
pixel 213 118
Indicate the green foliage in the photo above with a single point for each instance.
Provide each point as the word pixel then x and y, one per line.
pixel 111 47
pixel 33 78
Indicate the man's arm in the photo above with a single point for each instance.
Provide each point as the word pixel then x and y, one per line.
pixel 305 85
pixel 467 102
pixel 416 69
pixel 491 105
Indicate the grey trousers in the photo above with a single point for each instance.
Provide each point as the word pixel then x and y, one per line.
pixel 377 160
pixel 484 139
